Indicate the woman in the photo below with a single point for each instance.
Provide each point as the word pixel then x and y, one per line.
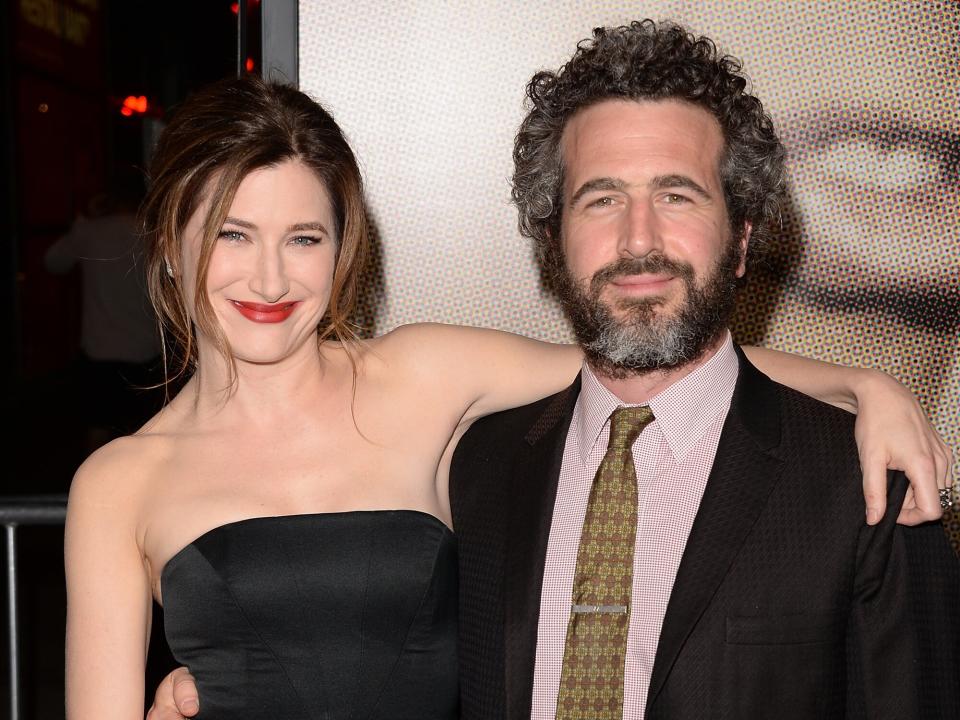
pixel 289 506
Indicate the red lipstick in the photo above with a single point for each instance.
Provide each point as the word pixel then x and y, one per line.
pixel 258 312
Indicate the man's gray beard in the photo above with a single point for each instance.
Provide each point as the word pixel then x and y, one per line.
pixel 627 343
pixel 638 341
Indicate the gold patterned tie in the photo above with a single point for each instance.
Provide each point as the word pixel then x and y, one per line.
pixel 591 682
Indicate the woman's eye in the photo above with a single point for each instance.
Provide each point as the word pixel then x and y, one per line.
pixel 305 240
pixel 231 235
pixel 898 168
pixel 872 154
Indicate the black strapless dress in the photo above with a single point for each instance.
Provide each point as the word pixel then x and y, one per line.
pixel 332 616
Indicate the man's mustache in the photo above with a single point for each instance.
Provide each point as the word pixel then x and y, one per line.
pixel 650 264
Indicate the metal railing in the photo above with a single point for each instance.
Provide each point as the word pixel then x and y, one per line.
pixel 14 512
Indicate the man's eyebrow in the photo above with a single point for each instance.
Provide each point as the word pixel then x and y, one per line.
pixel 602 183
pixel 298 227
pixel 662 182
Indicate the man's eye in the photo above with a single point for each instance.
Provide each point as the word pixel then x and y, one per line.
pixel 674 199
pixel 602 202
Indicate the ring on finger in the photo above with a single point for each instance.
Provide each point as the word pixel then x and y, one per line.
pixel 946 497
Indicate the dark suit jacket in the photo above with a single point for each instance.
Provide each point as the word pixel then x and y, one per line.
pixel 786 604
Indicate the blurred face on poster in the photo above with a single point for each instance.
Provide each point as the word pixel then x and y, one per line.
pixel 866 97
pixel 867 268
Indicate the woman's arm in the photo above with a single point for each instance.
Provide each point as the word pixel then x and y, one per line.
pixel 108 595
pixel 892 429
pixel 487 370
pixel 483 371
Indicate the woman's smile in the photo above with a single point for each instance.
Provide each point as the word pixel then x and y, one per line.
pixel 262 313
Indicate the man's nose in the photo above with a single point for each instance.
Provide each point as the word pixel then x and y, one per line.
pixel 640 233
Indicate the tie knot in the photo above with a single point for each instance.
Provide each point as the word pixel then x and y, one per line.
pixel 626 424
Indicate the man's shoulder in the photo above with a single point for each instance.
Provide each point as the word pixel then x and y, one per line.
pixel 808 434
pixel 803 411
pixel 756 393
pixel 810 438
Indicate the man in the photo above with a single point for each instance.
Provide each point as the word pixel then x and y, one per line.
pixel 645 175
pixel 711 560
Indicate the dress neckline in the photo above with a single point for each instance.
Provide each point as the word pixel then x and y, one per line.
pixel 428 517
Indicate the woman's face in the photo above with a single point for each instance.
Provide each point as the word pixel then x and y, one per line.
pixel 272 266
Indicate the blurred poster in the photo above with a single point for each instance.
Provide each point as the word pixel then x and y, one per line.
pixel 866 270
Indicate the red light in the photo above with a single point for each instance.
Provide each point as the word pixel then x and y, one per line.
pixel 133 104
pixel 250 64
pixel 235 8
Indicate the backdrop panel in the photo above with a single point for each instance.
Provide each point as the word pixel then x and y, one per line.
pixel 865 94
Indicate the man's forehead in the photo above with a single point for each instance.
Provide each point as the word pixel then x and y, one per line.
pixel 639 116
pixel 621 131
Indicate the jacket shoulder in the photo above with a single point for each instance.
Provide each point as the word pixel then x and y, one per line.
pixel 775 414
pixel 527 423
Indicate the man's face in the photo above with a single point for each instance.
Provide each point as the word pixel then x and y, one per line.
pixel 651 262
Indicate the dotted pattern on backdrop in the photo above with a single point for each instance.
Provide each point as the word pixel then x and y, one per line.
pixel 866 269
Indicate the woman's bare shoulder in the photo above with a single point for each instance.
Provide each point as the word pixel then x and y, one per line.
pixel 435 332
pixel 431 342
pixel 407 345
pixel 122 470
pixel 406 337
pixel 494 369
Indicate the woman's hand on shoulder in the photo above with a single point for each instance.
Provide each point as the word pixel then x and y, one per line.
pixel 892 430
pixel 108 587
pixel 483 370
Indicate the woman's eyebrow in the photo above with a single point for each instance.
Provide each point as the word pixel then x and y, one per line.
pixel 296 227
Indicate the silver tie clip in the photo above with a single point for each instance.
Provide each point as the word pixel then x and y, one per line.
pixel 586 609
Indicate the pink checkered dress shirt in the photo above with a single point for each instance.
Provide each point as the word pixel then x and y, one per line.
pixel 673 457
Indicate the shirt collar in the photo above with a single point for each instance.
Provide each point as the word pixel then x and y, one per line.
pixel 683 411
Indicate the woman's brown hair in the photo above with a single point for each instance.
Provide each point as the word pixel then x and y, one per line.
pixel 215 139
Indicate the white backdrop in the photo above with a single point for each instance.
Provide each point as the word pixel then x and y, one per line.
pixel 865 93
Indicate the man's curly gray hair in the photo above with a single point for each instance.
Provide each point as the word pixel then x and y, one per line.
pixel 646 60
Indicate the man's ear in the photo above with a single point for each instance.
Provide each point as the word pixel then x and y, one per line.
pixel 744 244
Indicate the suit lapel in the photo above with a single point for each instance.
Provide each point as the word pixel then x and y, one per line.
pixel 744 472
pixel 535 474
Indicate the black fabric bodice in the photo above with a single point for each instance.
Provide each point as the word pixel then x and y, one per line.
pixel 332 616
